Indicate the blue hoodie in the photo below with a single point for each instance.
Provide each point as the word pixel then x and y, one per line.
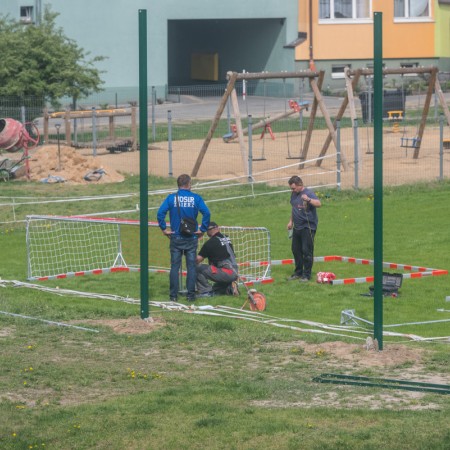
pixel 190 205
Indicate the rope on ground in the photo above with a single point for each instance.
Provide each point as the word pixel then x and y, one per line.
pixel 50 322
pixel 232 313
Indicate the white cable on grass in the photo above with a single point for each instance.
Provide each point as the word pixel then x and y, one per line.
pixel 325 326
pixel 416 323
pixel 261 318
pixel 415 337
pixel 50 322
pixel 62 292
pixel 306 330
pixel 230 312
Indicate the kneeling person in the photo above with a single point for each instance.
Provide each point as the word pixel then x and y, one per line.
pixel 222 268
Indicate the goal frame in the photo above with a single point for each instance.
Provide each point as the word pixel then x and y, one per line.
pixel 252 269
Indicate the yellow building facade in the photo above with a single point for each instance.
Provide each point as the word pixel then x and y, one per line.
pixel 340 33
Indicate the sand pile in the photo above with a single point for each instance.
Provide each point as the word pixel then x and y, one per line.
pixel 69 165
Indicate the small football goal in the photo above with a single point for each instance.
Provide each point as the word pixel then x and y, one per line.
pixel 63 246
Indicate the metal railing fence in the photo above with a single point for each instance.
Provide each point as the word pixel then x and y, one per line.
pixel 180 118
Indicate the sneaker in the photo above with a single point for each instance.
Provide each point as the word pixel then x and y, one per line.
pixel 205 295
pixel 294 276
pixel 235 289
pixel 173 299
pixel 304 279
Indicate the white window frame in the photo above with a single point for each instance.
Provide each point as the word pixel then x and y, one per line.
pixel 339 74
pixel 26 14
pixel 334 20
pixel 409 65
pixel 408 18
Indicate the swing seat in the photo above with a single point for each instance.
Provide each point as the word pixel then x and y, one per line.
pixel 228 137
pixel 410 142
pixel 298 106
pixel 395 115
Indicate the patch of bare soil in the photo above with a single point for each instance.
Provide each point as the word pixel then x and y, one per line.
pixel 69 165
pixel 407 400
pixel 351 354
pixel 130 325
pixel 7 331
pixel 396 361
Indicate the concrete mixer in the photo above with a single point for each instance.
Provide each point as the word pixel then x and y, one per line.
pixel 15 136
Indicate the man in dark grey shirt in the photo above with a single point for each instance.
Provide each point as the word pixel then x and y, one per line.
pixel 303 223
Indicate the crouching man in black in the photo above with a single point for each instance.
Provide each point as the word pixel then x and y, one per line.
pixel 222 269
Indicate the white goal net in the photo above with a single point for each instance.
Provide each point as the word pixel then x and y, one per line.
pixel 59 247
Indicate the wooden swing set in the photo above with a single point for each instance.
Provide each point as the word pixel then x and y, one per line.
pixel 315 81
pixel 352 77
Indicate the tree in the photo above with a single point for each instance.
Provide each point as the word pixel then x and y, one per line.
pixel 40 61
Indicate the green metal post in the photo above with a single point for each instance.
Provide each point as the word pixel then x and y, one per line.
pixel 378 177
pixel 143 161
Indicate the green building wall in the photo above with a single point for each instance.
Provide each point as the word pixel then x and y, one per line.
pixel 247 35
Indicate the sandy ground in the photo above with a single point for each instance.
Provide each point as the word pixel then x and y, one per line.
pixel 52 165
pixel 281 160
pixel 394 354
pixel 274 160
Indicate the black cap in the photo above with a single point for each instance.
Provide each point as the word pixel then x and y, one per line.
pixel 212 225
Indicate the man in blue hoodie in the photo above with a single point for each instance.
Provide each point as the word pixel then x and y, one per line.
pixel 183 204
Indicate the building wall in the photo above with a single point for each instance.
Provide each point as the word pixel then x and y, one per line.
pixel 352 43
pixel 355 41
pixel 110 28
pixel 442 34
pixel 241 45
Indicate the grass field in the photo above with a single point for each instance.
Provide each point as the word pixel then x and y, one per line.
pixel 194 381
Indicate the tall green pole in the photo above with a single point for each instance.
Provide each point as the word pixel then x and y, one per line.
pixel 143 161
pixel 378 176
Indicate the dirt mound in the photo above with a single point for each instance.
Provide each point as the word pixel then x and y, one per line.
pixel 70 166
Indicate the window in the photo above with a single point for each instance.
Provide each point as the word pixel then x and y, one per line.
pixel 408 9
pixel 370 66
pixel 26 14
pixel 337 71
pixel 344 9
pixel 409 65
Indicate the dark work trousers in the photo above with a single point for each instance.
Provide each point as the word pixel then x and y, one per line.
pixel 180 246
pixel 222 277
pixel 303 251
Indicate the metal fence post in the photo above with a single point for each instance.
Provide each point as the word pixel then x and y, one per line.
pixel 356 152
pixel 441 147
pixel 153 114
pixel 22 114
pixel 250 148
pixel 338 154
pixel 369 100
pixel 94 132
pixel 169 138
pixel 228 115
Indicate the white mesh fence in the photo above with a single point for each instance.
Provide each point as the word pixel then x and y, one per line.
pixel 64 246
